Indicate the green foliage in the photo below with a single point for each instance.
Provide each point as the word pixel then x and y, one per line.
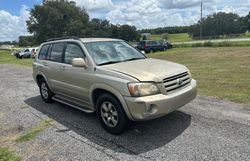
pixel 34 132
pixel 26 41
pixel 144 37
pixel 7 155
pixel 219 24
pixel 180 37
pixel 220 72
pixel 6 58
pixel 170 30
pixel 214 44
pixel 59 19
pixel 165 36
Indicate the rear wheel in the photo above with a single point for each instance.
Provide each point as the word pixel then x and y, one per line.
pixel 111 114
pixel 45 92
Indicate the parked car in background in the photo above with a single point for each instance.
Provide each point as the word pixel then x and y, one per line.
pixel 15 52
pixel 165 43
pixel 34 52
pixel 112 78
pixel 27 53
pixel 151 46
pixel 24 53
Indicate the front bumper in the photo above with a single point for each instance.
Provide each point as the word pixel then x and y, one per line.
pixel 150 107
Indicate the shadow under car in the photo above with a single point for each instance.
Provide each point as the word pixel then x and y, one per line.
pixel 139 138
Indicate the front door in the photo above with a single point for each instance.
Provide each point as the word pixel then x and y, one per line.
pixel 76 80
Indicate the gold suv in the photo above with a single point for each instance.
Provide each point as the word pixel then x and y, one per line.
pixel 112 78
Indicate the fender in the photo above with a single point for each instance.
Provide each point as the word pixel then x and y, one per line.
pixel 40 73
pixel 112 90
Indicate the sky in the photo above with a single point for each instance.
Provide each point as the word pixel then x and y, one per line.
pixel 140 13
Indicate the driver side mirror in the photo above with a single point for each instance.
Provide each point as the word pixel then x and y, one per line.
pixel 79 62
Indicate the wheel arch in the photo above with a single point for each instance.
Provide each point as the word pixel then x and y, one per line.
pixel 99 89
pixel 40 76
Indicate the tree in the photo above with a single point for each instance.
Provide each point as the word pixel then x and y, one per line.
pixel 128 33
pixel 246 21
pixel 165 36
pixel 218 24
pixel 57 19
pixel 26 41
pixel 144 37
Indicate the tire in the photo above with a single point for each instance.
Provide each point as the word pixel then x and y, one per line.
pixel 111 114
pixel 45 92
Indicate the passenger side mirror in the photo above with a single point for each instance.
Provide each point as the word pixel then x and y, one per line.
pixel 78 62
pixel 143 52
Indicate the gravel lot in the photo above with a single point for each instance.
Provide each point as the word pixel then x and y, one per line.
pixel 205 129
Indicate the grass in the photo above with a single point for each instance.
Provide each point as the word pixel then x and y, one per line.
pixel 24 107
pixel 181 37
pixel 221 72
pixel 214 44
pixel 7 58
pixel 7 155
pixel 34 131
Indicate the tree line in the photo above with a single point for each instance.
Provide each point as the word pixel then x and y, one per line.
pixel 169 30
pixel 61 18
pixel 220 23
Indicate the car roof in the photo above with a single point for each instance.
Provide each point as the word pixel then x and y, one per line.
pixel 84 40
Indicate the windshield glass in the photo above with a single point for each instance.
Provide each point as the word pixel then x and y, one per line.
pixel 107 52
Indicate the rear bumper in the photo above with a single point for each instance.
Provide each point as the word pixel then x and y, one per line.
pixel 150 107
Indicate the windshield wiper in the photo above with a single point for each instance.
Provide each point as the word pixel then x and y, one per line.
pixel 134 59
pixel 109 62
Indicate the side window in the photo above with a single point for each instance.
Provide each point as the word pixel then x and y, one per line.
pixel 72 51
pixel 43 52
pixel 56 52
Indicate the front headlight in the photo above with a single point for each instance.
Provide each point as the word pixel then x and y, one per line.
pixel 142 89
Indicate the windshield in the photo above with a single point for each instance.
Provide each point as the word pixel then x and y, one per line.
pixel 107 52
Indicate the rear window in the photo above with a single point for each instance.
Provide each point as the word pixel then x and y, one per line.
pixel 43 52
pixel 56 52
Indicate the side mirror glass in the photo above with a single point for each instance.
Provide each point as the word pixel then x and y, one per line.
pixel 78 62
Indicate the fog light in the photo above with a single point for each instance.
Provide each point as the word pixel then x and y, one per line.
pixel 151 108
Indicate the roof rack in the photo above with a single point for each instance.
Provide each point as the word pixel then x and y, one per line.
pixel 62 38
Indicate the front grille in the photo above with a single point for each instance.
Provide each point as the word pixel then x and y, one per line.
pixel 177 82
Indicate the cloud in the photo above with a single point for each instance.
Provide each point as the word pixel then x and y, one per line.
pixel 11 27
pixel 150 14
pixel 92 5
pixel 159 13
pixel 182 4
pixel 140 13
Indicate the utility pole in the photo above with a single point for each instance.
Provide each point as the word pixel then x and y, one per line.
pixel 201 20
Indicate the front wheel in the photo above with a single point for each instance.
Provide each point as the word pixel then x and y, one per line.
pixel 45 92
pixel 111 114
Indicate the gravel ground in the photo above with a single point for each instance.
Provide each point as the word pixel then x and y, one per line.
pixel 205 129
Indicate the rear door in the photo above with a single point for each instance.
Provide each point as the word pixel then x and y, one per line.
pixel 53 64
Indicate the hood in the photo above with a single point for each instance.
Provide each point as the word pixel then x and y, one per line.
pixel 148 69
